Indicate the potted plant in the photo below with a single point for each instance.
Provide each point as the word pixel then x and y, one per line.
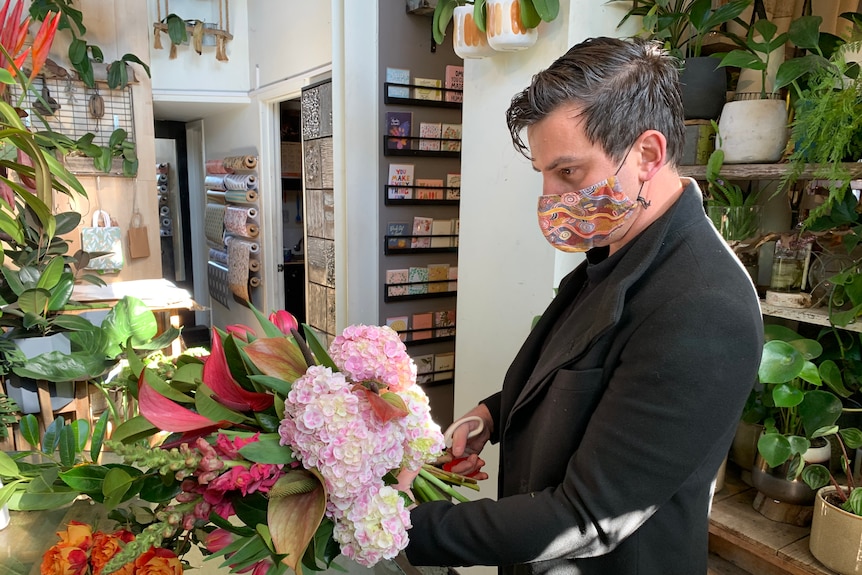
pixel 836 527
pixel 683 26
pixel 513 24
pixel 799 408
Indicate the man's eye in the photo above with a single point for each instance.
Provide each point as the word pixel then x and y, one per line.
pixel 566 171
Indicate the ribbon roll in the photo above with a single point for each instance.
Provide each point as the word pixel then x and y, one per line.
pixel 162 188
pixel 239 221
pixel 217 281
pixel 162 179
pixel 165 211
pixel 163 200
pixel 254 265
pixel 214 225
pixel 219 256
pixel 240 196
pixel 216 167
pixel 166 222
pixel 238 257
pixel 215 182
pixel 213 196
pixel 254 282
pixel 234 163
pixel 240 182
pixel 161 168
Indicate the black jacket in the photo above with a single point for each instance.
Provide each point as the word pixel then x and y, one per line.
pixel 611 432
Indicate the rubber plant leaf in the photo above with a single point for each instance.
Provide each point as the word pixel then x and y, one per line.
pixel 218 378
pixel 276 357
pixel 296 506
pixel 165 414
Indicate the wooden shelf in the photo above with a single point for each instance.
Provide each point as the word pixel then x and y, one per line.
pixel 814 315
pixel 441 103
pixel 762 171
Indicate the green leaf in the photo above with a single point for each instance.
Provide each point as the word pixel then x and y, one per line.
pixel 34 301
pixel 66 444
pixel 440 20
pixel 548 10
pixel 267 450
pixel 6 77
pixel 774 448
pixel 176 29
pixel 116 486
pixel 77 51
pixel 852 437
pixel 278 385
pixel 29 426
pixel 136 60
pixel 99 431
pixel 529 17
pixel 208 407
pixel 133 429
pixel 854 502
pixel 8 467
pixel 317 348
pixel 52 435
pixel 57 366
pixel 85 478
pixel 815 476
pixel 223 523
pixel 118 77
pixel 819 409
pixel 804 32
pixel 61 293
pixel 780 362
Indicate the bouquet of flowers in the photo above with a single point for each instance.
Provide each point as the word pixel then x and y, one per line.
pixel 271 453
pixel 82 551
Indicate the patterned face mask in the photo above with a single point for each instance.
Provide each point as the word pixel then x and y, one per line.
pixel 578 221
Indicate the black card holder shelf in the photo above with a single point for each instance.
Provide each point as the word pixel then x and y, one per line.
pixel 390 248
pixel 432 382
pixel 442 103
pixel 425 295
pixel 392 146
pixel 418 202
pixel 410 342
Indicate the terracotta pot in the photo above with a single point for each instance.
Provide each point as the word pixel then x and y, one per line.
pixel 468 41
pixel 506 32
pixel 836 535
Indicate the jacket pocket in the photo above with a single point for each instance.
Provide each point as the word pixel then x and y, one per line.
pixel 585 380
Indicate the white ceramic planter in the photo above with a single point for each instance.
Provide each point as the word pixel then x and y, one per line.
pixel 4 514
pixel 506 32
pixel 836 535
pixel 753 131
pixel 468 41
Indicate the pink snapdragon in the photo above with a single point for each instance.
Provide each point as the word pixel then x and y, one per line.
pixel 374 353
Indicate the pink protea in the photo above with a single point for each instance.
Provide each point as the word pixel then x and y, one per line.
pixel 373 353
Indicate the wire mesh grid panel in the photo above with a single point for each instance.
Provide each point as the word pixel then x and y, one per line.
pixel 71 108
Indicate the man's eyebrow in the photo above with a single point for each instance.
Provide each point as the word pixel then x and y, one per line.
pixel 558 161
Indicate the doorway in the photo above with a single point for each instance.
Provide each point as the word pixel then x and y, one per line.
pixel 292 207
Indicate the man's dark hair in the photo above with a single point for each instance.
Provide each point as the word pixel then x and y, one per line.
pixel 625 87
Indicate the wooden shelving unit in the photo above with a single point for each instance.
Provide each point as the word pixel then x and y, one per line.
pixel 762 171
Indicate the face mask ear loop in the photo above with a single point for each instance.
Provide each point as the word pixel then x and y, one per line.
pixel 641 200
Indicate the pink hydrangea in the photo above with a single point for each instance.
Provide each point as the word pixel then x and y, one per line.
pixel 366 352
pixel 424 438
pixel 330 427
pixel 374 527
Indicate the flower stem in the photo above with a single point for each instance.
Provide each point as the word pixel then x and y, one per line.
pixel 424 474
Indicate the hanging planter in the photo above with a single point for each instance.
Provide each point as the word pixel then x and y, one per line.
pixel 505 26
pixel 469 41
pixel 485 26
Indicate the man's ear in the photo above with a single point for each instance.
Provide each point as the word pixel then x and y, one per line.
pixel 652 148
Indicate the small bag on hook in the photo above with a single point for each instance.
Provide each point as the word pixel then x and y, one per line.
pixel 104 237
pixel 139 244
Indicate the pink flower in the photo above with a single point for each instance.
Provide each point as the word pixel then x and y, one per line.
pixel 241 331
pixel 284 321
pixel 373 353
pixel 218 540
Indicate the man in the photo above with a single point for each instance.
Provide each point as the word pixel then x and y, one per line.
pixel 621 405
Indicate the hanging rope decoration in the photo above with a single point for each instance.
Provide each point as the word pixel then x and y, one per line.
pixel 196 31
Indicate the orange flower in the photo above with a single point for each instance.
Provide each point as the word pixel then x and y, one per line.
pixel 77 534
pixel 158 561
pixel 105 546
pixel 63 559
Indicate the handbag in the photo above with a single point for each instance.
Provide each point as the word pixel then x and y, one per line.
pixel 139 244
pixel 103 238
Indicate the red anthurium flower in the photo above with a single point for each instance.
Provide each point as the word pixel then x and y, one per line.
pixel 166 414
pixel 293 519
pixel 225 388
pixel 277 357
pixel 240 331
pixel 284 321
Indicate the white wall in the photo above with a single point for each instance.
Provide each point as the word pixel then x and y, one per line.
pixel 507 272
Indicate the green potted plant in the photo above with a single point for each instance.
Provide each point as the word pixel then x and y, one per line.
pixel 683 26
pixel 836 526
pixel 799 408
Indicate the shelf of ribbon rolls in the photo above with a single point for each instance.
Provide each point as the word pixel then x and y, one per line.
pixel 232 228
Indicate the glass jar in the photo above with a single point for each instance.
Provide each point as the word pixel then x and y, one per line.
pixel 789 264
